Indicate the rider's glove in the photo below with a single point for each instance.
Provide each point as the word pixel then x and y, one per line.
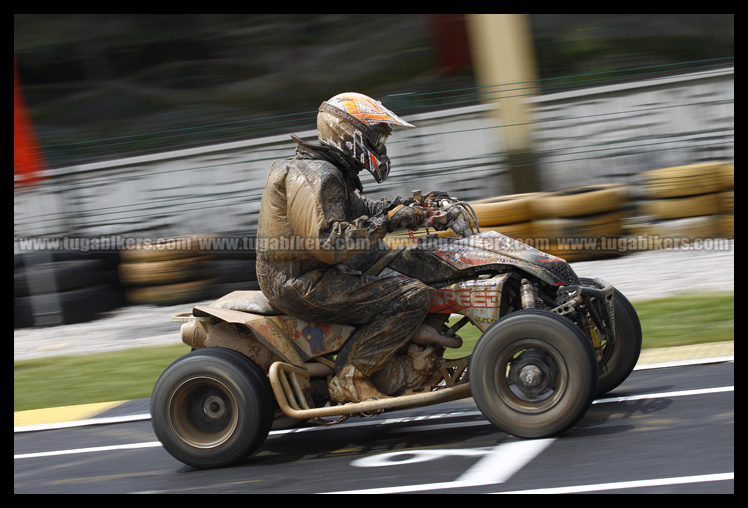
pixel 402 216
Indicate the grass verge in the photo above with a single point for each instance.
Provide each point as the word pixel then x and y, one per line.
pixel 131 374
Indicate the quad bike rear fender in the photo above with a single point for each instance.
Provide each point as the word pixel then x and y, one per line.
pixel 289 339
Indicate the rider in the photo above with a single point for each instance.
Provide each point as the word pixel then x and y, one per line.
pixel 317 235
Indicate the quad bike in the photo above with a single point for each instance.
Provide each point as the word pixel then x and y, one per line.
pixel 551 342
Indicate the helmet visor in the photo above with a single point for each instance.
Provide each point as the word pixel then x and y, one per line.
pixel 378 140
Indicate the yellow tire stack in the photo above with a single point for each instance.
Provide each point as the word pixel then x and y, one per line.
pixel 669 208
pixel 581 223
pixel 511 215
pixel 166 271
pixel 684 203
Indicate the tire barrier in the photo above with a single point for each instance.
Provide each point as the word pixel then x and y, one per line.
pixel 669 207
pixel 560 223
pixel 170 271
pixel 685 203
pixel 680 207
pixel 681 181
pixel 678 232
pixel 189 268
pixel 581 201
pixel 64 287
pixel 727 201
pixel 570 223
pixel 506 210
pixel 510 215
pixel 169 294
pixel 166 271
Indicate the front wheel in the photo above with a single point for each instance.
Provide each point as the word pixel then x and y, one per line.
pixel 533 374
pixel 211 408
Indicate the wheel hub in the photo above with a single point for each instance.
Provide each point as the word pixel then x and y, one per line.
pixel 533 374
pixel 214 407
pixel 202 413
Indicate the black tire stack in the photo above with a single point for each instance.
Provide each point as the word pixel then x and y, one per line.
pixel 64 287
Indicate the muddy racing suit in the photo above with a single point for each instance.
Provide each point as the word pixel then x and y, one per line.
pixel 317 234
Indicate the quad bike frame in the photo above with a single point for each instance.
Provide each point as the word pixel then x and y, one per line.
pixel 246 322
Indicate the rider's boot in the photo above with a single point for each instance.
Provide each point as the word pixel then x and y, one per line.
pixel 350 385
pixel 425 334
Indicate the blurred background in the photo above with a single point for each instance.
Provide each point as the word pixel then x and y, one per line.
pixel 155 126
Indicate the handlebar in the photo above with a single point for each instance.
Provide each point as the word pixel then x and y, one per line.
pixel 442 212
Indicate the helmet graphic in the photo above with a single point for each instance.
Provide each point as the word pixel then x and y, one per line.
pixel 359 126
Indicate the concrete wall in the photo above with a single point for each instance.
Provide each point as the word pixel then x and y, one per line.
pixel 599 135
pixel 612 133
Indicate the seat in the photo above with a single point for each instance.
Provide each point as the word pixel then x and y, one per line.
pixel 253 302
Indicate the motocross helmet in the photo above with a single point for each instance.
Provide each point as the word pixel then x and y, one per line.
pixel 358 126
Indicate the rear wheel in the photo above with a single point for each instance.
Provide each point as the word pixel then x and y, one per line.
pixel 533 374
pixel 211 408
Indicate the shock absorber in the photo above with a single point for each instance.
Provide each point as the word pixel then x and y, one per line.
pixel 527 292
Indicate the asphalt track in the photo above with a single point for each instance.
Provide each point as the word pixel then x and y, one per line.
pixel 669 429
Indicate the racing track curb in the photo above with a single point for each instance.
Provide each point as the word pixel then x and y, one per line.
pixel 112 412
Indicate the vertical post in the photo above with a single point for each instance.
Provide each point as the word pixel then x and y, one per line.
pixel 505 67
